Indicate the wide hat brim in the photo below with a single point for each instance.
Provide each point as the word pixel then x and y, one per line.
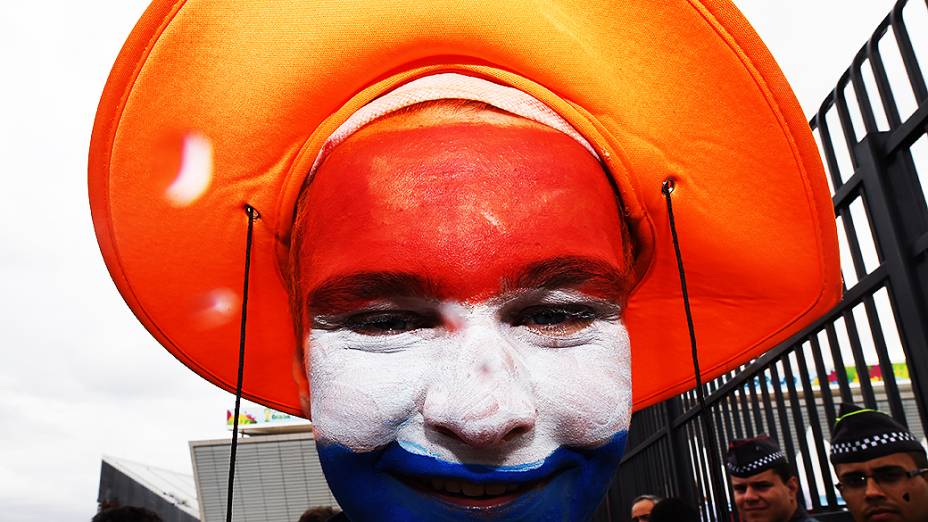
pixel 215 105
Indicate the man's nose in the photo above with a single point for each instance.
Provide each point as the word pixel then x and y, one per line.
pixel 873 490
pixel 482 396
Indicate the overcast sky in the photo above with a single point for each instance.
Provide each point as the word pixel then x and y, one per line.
pixel 79 376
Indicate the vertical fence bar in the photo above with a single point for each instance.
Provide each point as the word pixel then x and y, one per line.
pixel 823 383
pixel 828 150
pixel 722 484
pixel 799 427
pixel 729 425
pixel 863 372
pixel 881 78
pixel 886 367
pixel 682 465
pixel 912 70
pixel 745 412
pixel 840 369
pixel 860 91
pixel 768 406
pixel 818 435
pixel 785 440
pixel 755 407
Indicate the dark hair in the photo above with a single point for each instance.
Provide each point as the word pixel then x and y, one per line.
pixel 920 458
pixel 673 510
pixel 784 470
pixel 127 514
pixel 318 514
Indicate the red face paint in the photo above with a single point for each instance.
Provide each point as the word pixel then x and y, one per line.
pixel 464 205
pixel 462 212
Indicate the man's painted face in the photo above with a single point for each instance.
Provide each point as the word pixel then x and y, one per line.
pixel 462 283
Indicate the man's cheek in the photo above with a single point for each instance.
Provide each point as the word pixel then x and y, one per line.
pixel 586 391
pixel 360 399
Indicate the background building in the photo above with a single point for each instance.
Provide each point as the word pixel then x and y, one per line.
pixel 277 470
pixel 126 483
pixel 277 475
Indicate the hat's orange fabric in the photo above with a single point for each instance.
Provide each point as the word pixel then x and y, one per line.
pixel 662 89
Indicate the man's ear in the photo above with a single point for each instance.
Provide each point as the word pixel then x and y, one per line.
pixel 793 484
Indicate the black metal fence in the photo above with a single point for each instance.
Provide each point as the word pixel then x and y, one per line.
pixel 872 349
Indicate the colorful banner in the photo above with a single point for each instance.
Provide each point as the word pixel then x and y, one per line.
pixel 255 416
pixel 900 371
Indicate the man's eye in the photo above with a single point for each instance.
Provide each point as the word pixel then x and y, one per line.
pixel 556 319
pixel 740 488
pixel 387 323
pixel 853 480
pixel 889 475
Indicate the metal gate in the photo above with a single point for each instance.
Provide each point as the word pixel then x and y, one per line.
pixel 871 349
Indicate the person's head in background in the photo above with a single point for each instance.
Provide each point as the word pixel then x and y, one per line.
pixel 459 276
pixel 673 510
pixel 318 514
pixel 642 506
pixel 882 469
pixel 764 483
pixel 126 514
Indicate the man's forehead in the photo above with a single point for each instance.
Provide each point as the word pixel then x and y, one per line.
pixel 466 203
pixel 766 477
pixel 892 460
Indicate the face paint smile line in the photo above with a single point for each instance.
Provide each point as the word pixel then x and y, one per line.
pixel 473 486
pixel 566 487
pixel 418 449
pixel 398 461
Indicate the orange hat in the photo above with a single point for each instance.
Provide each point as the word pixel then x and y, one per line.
pixel 212 105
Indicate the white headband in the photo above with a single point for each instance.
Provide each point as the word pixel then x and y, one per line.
pixel 450 86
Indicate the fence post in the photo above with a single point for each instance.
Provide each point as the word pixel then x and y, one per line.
pixel 893 197
pixel 681 468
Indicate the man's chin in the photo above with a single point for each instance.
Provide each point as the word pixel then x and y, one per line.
pixel 757 515
pixel 392 484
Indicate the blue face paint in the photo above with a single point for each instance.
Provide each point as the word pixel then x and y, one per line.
pixel 569 484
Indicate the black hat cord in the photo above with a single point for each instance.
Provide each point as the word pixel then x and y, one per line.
pixel 253 216
pixel 708 428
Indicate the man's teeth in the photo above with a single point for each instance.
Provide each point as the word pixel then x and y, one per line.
pixel 471 489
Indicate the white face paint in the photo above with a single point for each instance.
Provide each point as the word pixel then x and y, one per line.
pixel 489 383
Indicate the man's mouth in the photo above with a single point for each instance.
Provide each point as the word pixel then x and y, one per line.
pixel 469 494
pixel 881 514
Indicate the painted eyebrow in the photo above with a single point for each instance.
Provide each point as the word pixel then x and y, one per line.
pixel 592 275
pixel 342 294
